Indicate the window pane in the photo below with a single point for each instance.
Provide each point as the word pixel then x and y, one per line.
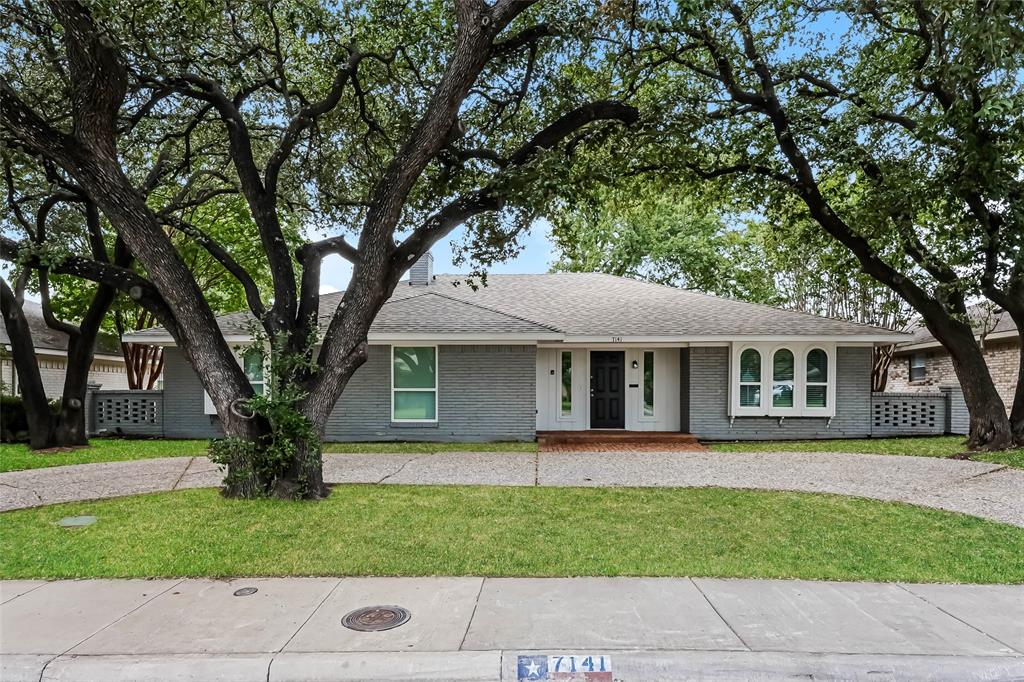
pixel 782 395
pixel 750 365
pixel 648 383
pixel 415 367
pixel 252 364
pixel 415 405
pixel 566 382
pixel 817 366
pixel 783 365
pixel 750 395
pixel 816 395
pixel 918 370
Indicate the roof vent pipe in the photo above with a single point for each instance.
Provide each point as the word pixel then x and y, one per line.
pixel 422 271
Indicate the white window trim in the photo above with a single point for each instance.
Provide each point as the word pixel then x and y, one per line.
pixel 653 416
pixel 799 409
pixel 735 381
pixel 434 390
pixel 830 383
pixel 796 383
pixel 571 415
pixel 208 406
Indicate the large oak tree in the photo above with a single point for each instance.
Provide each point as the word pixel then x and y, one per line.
pixel 385 126
pixel 896 125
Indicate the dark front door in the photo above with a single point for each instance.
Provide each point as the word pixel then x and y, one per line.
pixel 607 394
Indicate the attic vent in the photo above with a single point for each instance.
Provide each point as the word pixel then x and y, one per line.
pixel 422 271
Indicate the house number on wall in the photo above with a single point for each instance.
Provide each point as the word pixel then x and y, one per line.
pixel 616 339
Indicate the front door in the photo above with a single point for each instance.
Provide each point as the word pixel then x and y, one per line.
pixel 607 399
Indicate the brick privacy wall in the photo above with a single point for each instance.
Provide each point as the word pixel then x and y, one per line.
pixel 709 398
pixel 484 393
pixel 1002 357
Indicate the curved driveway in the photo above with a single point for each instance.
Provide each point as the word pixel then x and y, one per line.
pixel 981 489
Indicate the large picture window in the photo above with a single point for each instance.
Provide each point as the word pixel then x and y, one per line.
pixel 783 378
pixel 797 379
pixel 251 360
pixel 566 385
pixel 750 378
pixel 816 393
pixel 414 383
pixel 648 383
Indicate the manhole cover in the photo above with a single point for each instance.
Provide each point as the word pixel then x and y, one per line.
pixel 245 591
pixel 376 618
pixel 76 521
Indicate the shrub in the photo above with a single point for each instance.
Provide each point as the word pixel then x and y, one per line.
pixel 13 420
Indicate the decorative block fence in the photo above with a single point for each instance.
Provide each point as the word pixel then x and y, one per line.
pixel 135 413
pixel 919 414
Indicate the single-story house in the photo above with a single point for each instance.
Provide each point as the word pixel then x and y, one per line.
pixel 51 347
pixel 920 363
pixel 570 352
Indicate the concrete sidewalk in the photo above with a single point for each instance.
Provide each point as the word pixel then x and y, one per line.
pixel 982 489
pixel 479 629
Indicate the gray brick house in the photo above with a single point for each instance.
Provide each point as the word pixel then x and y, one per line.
pixel 572 352
pixel 920 363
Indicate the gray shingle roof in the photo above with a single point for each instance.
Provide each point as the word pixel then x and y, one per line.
pixel 984 317
pixel 45 338
pixel 573 304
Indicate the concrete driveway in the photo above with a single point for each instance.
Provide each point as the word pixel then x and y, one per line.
pixel 981 489
pixel 490 629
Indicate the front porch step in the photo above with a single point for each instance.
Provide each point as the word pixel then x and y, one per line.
pixel 615 436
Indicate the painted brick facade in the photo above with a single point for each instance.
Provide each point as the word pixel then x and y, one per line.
pixel 484 393
pixel 1002 357
pixel 709 401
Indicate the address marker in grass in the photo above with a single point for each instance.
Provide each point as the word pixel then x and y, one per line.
pixel 76 521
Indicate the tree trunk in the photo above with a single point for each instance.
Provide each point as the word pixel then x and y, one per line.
pixel 1017 411
pixel 42 425
pixel 990 428
pixel 882 359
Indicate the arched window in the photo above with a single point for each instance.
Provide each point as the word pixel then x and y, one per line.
pixel 783 378
pixel 750 378
pixel 817 378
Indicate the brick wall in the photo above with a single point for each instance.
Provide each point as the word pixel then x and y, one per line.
pixel 1002 357
pixel 484 393
pixel 709 398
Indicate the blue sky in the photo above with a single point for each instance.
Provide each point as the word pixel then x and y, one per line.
pixel 537 256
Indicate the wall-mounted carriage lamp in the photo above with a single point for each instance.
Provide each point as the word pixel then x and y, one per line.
pixel 636 365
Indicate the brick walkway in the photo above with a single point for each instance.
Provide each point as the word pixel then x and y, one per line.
pixel 620 446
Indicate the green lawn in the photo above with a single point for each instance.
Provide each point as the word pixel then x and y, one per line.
pixel 929 446
pixel 15 457
pixel 462 530
pixel 431 448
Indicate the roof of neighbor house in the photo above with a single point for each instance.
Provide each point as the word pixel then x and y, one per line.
pixel 573 306
pixel 46 339
pixel 985 318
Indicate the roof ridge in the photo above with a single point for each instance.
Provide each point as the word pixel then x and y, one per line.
pixel 500 312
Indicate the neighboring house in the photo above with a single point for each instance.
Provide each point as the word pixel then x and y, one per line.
pixel 568 351
pixel 921 363
pixel 51 347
